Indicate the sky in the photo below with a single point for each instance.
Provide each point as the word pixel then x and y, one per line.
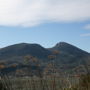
pixel 45 22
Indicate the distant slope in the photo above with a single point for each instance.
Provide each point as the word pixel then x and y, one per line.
pixel 69 52
pixel 23 49
pixel 68 48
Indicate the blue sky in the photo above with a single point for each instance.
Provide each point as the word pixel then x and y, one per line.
pixel 47 35
pixel 45 22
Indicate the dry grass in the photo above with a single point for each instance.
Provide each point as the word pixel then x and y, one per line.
pixel 34 83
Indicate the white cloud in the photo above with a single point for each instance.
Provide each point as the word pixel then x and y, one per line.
pixel 85 35
pixel 87 27
pixel 34 12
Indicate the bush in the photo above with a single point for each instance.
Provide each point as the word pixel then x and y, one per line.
pixel 85 81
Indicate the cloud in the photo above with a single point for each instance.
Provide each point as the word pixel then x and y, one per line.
pixel 33 12
pixel 85 35
pixel 87 27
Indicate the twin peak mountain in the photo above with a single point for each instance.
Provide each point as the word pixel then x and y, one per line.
pixel 68 52
pixel 69 55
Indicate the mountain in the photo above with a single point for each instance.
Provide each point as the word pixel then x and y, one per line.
pixel 68 59
pixel 71 57
pixel 68 48
pixel 18 51
pixel 69 53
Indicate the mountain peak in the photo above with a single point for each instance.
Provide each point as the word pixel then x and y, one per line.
pixel 68 48
pixel 23 49
pixel 61 44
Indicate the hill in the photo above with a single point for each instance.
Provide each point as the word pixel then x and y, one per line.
pixel 18 51
pixel 69 58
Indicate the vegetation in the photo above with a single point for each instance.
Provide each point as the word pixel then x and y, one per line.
pixel 37 83
pixel 50 79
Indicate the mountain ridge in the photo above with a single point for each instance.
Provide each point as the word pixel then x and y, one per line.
pixel 69 55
